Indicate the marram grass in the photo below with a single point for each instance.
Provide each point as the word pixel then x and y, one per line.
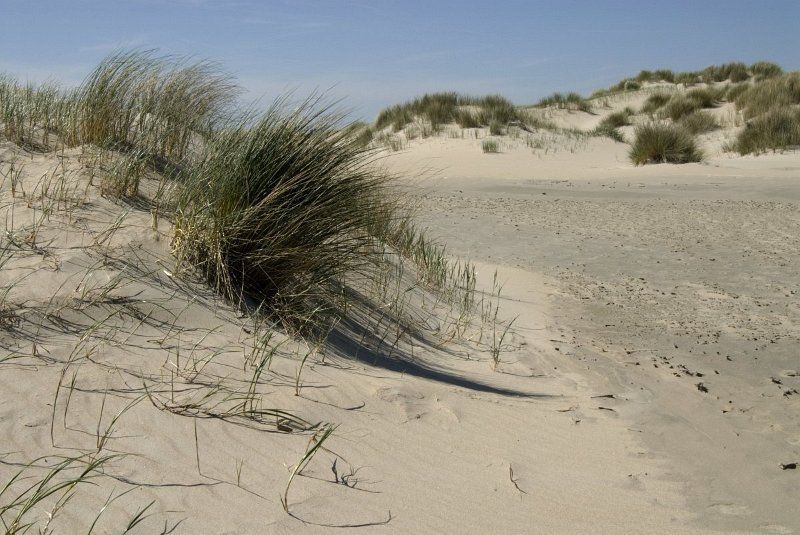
pixel 774 130
pixel 699 122
pixel 275 209
pixel 663 143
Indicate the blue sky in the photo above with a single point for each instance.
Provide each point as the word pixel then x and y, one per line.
pixel 376 53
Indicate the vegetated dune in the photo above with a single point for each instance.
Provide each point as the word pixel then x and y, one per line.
pixel 215 321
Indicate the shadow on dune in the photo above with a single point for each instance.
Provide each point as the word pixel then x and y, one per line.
pixel 356 336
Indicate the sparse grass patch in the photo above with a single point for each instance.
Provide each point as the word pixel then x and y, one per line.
pixel 617 119
pixel 570 101
pixel 443 108
pixel 733 91
pixel 699 122
pixel 466 119
pixel 137 99
pixel 496 128
pixel 776 92
pixel 663 143
pixel 392 141
pixel 678 106
pixel 608 126
pixel 654 102
pixel 490 146
pixel 775 129
pixel 687 78
pixel 735 72
pixel 361 133
pixel 706 97
pixel 124 177
pixel 765 69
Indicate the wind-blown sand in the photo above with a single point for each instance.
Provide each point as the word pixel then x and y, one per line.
pixel 630 287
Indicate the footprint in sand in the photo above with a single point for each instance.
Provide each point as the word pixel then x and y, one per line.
pixel 412 405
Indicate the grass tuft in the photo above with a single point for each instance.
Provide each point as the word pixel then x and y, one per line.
pixel 617 119
pixel 776 129
pixel 438 109
pixel 608 126
pixel 733 91
pixel 765 69
pixel 699 122
pixel 776 92
pixel 655 102
pixel 490 146
pixel 679 106
pixel 157 104
pixel 124 177
pixel 663 143
pixel 570 101
pixel 275 210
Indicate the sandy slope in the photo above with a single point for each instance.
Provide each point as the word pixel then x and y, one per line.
pixel 621 281
pixel 661 278
pixel 105 346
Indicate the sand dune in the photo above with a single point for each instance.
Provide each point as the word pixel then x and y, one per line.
pixel 630 365
pixel 673 288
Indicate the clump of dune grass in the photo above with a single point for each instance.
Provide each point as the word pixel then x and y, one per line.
pixel 660 75
pixel 132 101
pixel 776 129
pixel 361 133
pixel 682 104
pixel 397 116
pixel 139 99
pixel 278 206
pixel 678 106
pixel 699 122
pixel 735 72
pixel 617 119
pixel 706 97
pixel 765 69
pixel 627 84
pixel 466 119
pixel 534 118
pixel 776 92
pixel 495 109
pixel 35 116
pixel 663 143
pixel 687 78
pixel 608 126
pixel 438 109
pixel 569 101
pixel 123 179
pixel 490 146
pixel 732 92
pixel 654 102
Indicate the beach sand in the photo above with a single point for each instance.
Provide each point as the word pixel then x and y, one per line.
pixel 648 383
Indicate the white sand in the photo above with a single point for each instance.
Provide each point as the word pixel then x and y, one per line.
pixel 656 275
pixel 590 251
